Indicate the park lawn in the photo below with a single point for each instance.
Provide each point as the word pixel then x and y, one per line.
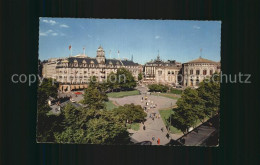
pixel 168 95
pixel 165 114
pixel 123 94
pixel 133 126
pixel 110 105
pixel 176 91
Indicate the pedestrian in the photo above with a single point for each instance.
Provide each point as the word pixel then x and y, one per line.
pixel 153 118
pixel 167 135
pixel 162 129
pixel 144 127
pixel 153 138
pixel 158 141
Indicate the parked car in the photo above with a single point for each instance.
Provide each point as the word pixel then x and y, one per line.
pixel 178 86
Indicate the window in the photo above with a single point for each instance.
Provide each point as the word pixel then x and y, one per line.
pixel 159 73
pixel 172 72
pixel 169 72
pixel 204 72
pixel 197 82
pixel 197 72
pixel 191 71
pixel 211 72
pixel 85 71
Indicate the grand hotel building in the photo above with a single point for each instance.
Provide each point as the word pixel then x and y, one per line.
pixel 74 72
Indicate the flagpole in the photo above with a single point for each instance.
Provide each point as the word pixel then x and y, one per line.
pixel 70 50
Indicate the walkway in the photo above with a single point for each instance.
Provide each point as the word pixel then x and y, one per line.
pixel 153 127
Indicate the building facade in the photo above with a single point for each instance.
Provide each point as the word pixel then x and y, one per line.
pixel 163 72
pixel 75 72
pixel 197 70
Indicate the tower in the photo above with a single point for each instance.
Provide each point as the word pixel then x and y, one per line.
pixel 100 55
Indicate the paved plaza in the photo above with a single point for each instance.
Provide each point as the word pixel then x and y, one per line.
pixel 153 127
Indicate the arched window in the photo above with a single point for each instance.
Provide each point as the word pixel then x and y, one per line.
pixel 204 72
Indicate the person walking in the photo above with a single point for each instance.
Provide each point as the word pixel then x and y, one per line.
pixel 144 127
pixel 158 141
pixel 153 138
pixel 162 129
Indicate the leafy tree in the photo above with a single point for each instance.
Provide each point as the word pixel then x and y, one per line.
pixel 158 88
pixel 47 88
pixel 102 131
pixel 190 109
pixel 125 79
pixel 197 104
pixel 46 124
pixel 112 81
pixel 209 91
pixel 95 96
pixel 130 112
pixel 140 76
pixel 91 126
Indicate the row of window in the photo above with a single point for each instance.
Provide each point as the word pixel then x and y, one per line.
pixel 204 72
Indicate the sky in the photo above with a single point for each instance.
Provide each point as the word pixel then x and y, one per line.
pixel 182 41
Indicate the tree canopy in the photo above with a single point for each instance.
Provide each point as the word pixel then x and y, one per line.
pixel 158 88
pixel 197 104
pixel 121 80
pixel 95 96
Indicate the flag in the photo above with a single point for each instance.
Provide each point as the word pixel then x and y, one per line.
pixel 69 47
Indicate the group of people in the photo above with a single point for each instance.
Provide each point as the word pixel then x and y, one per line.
pixel 158 140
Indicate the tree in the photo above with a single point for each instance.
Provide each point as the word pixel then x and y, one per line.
pixel 130 112
pixel 209 91
pixel 45 89
pixel 190 109
pixel 125 79
pixel 46 124
pixel 112 81
pixel 197 104
pixel 158 88
pixel 83 125
pixel 140 76
pixel 95 96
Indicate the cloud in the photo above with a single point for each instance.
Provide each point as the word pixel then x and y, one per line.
pixel 157 37
pixel 43 34
pixel 64 26
pixel 54 34
pixel 196 27
pixel 49 32
pixel 51 22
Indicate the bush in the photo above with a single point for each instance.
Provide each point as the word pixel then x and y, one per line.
pixel 158 88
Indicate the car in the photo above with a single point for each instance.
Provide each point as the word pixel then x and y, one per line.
pixel 144 143
pixel 178 86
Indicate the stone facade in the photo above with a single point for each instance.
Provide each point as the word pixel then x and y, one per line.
pixel 197 70
pixel 159 71
pixel 75 72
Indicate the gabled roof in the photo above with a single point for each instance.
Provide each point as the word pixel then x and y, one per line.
pixel 201 60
